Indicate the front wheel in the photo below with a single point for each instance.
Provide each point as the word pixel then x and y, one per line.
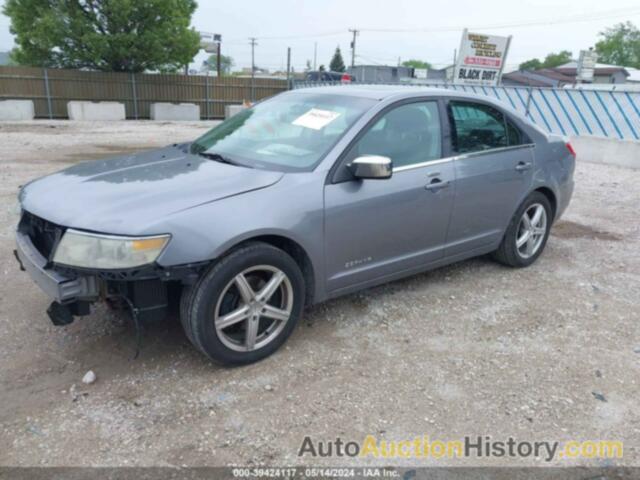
pixel 527 233
pixel 246 306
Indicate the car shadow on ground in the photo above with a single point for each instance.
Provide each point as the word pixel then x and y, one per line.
pixel 163 344
pixel 110 337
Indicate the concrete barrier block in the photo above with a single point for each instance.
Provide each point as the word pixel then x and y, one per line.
pixel 608 151
pixel 96 110
pixel 175 111
pixel 231 110
pixel 11 110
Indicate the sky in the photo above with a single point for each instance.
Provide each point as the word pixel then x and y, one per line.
pixel 395 29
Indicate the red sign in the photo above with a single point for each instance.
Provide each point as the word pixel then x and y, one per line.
pixel 485 62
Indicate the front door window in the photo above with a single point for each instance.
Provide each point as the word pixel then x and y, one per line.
pixel 408 135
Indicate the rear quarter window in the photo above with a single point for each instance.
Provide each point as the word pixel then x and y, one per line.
pixel 514 135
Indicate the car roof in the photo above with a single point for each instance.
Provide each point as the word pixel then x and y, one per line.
pixel 387 92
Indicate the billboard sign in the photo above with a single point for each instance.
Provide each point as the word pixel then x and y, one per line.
pixel 586 65
pixel 481 59
pixel 209 41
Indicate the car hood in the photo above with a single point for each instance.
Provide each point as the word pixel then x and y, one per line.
pixel 125 194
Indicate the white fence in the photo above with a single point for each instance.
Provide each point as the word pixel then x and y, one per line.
pixel 572 112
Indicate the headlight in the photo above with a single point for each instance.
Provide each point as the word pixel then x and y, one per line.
pixel 88 250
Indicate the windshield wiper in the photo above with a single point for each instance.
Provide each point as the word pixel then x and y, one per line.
pixel 221 158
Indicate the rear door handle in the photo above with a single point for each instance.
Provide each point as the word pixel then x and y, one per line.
pixel 437 184
pixel 523 166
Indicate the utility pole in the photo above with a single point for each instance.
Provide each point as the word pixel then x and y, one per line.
pixel 453 69
pixel 253 43
pixel 353 46
pixel 289 67
pixel 218 62
pixel 315 55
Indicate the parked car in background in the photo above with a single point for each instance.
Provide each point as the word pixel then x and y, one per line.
pixel 306 196
pixel 324 76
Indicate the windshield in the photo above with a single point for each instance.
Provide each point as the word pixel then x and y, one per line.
pixel 287 132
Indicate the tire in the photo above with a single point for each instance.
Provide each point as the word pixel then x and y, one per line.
pixel 509 252
pixel 262 287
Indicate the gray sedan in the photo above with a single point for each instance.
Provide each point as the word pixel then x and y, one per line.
pixel 309 195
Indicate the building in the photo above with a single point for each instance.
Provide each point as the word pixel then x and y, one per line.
pixel 603 73
pixel 522 78
pixel 634 75
pixel 380 73
pixel 566 74
pixel 546 77
pixel 444 75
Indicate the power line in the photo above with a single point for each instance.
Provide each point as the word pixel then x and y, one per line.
pixel 304 35
pixel 587 17
pixel 385 56
pixel 603 15
pixel 369 59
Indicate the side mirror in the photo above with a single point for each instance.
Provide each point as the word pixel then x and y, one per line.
pixel 371 167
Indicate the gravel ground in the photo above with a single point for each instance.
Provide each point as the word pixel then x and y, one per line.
pixel 546 353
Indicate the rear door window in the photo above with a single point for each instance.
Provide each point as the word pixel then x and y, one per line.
pixel 476 127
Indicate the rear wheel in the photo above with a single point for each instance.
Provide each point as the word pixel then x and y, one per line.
pixel 246 306
pixel 527 233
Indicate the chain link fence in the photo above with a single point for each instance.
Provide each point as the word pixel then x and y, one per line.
pixel 51 89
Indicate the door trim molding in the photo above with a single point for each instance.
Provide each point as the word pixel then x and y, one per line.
pixel 462 157
pixel 423 164
pixel 494 150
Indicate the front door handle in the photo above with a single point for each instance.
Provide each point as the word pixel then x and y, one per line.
pixel 523 166
pixel 437 184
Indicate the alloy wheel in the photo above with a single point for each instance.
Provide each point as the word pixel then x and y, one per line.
pixel 253 308
pixel 531 230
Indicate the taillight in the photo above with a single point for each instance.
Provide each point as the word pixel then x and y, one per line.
pixel 571 150
pixel 346 78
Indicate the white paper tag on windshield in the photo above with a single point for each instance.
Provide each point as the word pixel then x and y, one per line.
pixel 316 119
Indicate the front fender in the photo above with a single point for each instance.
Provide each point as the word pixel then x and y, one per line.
pixel 293 209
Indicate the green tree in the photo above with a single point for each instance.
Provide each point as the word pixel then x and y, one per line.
pixel 620 45
pixel 556 59
pixel 552 60
pixel 416 64
pixel 533 64
pixel 226 63
pixel 337 63
pixel 107 35
pixel 321 68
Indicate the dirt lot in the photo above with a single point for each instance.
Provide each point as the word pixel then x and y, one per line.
pixel 551 352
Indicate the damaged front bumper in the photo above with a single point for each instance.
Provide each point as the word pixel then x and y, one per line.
pixel 71 295
pixel 60 288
